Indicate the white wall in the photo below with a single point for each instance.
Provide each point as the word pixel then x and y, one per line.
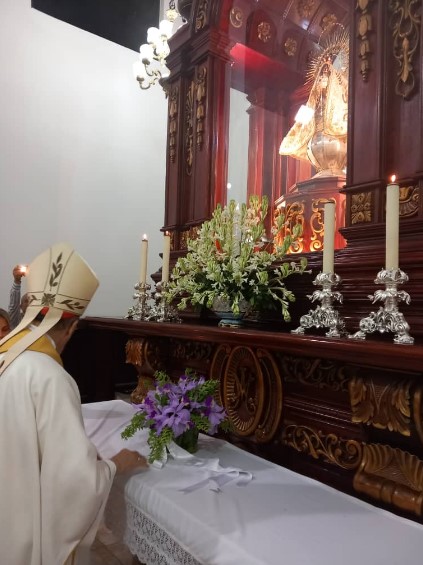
pixel 82 153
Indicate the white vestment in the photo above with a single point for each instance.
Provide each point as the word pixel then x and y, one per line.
pixel 53 490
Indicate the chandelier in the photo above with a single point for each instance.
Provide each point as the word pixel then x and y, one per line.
pixel 151 66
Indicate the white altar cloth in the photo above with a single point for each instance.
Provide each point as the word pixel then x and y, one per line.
pixel 279 518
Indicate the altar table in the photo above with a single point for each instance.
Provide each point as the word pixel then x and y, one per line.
pixel 279 518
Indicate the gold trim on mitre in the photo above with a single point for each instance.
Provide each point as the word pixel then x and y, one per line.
pixel 59 281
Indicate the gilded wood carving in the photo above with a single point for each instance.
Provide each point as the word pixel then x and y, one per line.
pixel 273 403
pixel 200 94
pixel 290 46
pixel 345 453
pixel 392 476
pixel 328 21
pixel 146 356
pixel 173 122
pixel 190 350
pixel 316 223
pixel 189 129
pixel 361 208
pixel 365 26
pixel 294 214
pixel 134 351
pixel 192 233
pixel 305 8
pixel 236 17
pixel 243 388
pixel 201 18
pixel 418 412
pixel 383 406
pixel 251 390
pixel 264 32
pixel 409 201
pixel 320 373
pixel 405 22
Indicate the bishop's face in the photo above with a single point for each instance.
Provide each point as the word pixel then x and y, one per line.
pixel 4 327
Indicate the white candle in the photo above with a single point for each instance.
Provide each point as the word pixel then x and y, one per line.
pixel 329 237
pixel 144 254
pixel 392 224
pixel 166 257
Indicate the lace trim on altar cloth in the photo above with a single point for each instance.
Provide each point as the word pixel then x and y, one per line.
pixel 151 544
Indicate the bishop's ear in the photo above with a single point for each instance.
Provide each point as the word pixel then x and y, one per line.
pixel 73 325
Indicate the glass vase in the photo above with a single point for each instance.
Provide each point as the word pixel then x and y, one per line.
pixel 188 440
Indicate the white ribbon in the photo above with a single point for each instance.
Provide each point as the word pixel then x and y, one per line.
pixel 218 475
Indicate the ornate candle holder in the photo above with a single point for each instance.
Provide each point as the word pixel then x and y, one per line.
pixel 162 311
pixel 141 309
pixel 388 318
pixel 324 316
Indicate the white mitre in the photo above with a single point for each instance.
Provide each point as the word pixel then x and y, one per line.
pixel 60 284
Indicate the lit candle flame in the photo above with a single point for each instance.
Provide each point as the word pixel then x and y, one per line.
pixel 144 237
pixel 393 179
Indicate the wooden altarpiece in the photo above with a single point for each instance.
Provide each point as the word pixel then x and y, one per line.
pixel 349 413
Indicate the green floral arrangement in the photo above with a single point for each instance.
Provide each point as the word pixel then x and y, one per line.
pixel 178 411
pixel 232 260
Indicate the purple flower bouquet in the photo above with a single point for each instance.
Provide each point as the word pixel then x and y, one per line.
pixel 177 412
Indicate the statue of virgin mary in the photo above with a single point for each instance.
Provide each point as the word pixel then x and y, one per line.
pixel 319 134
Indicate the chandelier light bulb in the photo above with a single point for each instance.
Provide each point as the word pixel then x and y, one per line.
pixel 162 50
pixel 166 28
pixel 153 35
pixel 138 69
pixel 146 53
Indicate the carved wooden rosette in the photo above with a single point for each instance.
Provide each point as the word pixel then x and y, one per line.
pixel 146 355
pixel 365 26
pixel 361 208
pixel 305 8
pixel 264 32
pixel 251 388
pixel 406 23
pixel 345 453
pixel 391 476
pixel 381 405
pixel 290 46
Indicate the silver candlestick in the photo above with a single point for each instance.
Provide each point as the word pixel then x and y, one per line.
pixel 324 316
pixel 388 318
pixel 162 311
pixel 141 309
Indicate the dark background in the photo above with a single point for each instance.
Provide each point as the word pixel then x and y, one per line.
pixel 122 21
